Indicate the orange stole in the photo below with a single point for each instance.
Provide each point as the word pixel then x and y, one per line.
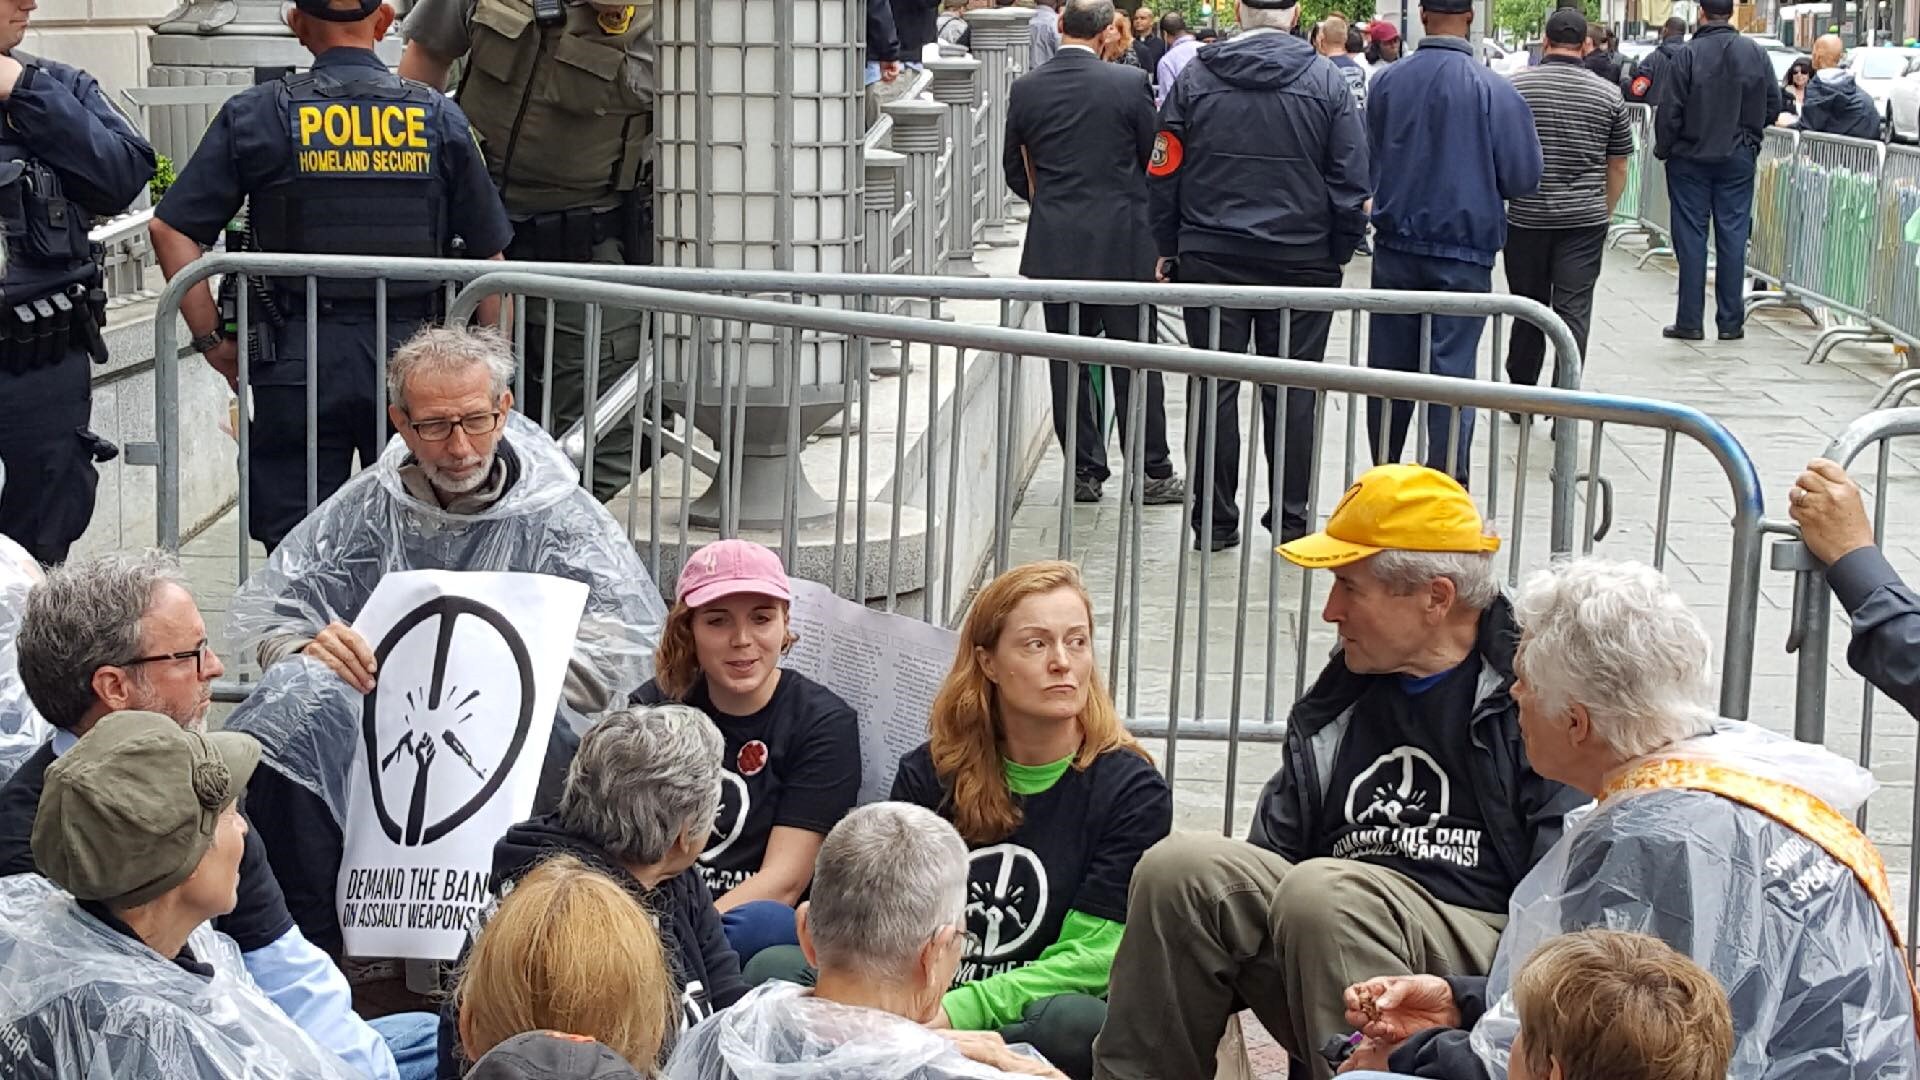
pixel 1797 809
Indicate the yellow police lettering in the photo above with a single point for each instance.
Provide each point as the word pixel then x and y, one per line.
pixel 363 138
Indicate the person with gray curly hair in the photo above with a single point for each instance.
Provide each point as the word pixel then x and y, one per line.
pixel 639 803
pixel 1728 842
pixel 1403 816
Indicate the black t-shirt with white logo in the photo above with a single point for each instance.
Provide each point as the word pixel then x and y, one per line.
pixel 1075 850
pixel 795 763
pixel 1401 795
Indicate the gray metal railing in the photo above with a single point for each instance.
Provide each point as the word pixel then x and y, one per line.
pixel 976 467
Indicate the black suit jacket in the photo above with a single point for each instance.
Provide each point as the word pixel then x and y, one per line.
pixel 1080 133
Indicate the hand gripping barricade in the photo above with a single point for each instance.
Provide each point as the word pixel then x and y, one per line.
pixel 1812 621
pixel 915 525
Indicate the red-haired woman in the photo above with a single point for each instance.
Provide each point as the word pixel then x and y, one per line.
pixel 1057 803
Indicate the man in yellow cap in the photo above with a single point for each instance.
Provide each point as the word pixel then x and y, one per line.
pixel 1392 837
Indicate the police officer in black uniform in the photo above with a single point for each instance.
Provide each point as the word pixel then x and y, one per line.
pixel 66 155
pixel 346 158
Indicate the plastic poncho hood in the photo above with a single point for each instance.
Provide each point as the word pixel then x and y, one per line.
pixel 81 1001
pixel 544 523
pixel 780 1031
pixel 21 728
pixel 1814 977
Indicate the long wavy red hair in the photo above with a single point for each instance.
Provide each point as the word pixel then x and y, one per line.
pixel 966 727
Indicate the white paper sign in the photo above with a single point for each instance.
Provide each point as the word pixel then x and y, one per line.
pixel 888 667
pixel 470 667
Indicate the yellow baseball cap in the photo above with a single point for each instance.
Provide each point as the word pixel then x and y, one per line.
pixel 1402 507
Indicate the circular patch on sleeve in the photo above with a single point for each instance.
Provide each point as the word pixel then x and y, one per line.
pixel 1167 155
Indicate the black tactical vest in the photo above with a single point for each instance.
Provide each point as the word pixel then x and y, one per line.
pixel 364 177
pixel 46 233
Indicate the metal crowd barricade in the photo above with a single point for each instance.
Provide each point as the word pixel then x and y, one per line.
pixel 1775 217
pixel 895 530
pixel 1896 263
pixel 1829 264
pixel 1629 213
pixel 1812 622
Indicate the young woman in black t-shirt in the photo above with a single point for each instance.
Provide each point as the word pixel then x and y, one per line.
pixel 1057 803
pixel 792 765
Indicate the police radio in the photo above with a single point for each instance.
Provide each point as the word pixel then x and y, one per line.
pixel 549 12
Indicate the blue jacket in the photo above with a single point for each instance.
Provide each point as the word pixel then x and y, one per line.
pixel 1451 143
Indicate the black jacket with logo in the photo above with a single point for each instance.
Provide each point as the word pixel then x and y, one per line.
pixel 1645 84
pixel 1716 98
pixel 1262 154
pixel 1522 810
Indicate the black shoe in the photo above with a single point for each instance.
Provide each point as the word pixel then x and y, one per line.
pixel 1681 334
pixel 1734 334
pixel 1086 490
pixel 1520 418
pixel 1291 528
pixel 1220 543
pixel 1163 491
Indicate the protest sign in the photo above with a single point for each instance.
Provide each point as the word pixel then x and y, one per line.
pixel 469 671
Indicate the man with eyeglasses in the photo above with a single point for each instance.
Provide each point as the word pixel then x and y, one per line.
pixel 471 485
pixel 122 633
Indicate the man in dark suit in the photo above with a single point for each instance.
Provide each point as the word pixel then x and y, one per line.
pixel 1080 133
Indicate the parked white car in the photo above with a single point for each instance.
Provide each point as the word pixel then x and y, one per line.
pixel 1903 106
pixel 1879 68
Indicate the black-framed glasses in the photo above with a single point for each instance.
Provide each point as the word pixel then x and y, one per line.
pixel 197 654
pixel 442 430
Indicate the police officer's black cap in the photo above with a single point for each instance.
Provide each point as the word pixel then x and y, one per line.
pixel 1567 27
pixel 1270 5
pixel 324 9
pixel 1447 7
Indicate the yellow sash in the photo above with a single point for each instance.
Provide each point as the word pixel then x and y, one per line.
pixel 1797 809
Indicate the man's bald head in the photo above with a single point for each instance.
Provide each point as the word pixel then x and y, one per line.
pixel 1828 51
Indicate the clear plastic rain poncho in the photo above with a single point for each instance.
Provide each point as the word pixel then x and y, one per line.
pixel 307 719
pixel 81 1001
pixel 21 728
pixel 780 1031
pixel 1811 971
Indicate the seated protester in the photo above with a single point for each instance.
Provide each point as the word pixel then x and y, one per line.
pixel 1885 649
pixel 552 1055
pixel 122 632
pixel 640 799
pixel 886 928
pixel 792 764
pixel 1401 819
pixel 468 485
pixel 568 950
pixel 1725 841
pixel 1057 803
pixel 21 728
pixel 108 967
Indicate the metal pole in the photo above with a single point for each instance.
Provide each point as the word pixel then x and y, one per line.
pixel 956 84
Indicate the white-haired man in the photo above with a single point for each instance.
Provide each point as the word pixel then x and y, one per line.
pixel 1395 831
pixel 885 929
pixel 1727 842
pixel 468 485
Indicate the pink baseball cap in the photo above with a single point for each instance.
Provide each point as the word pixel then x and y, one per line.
pixel 728 568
